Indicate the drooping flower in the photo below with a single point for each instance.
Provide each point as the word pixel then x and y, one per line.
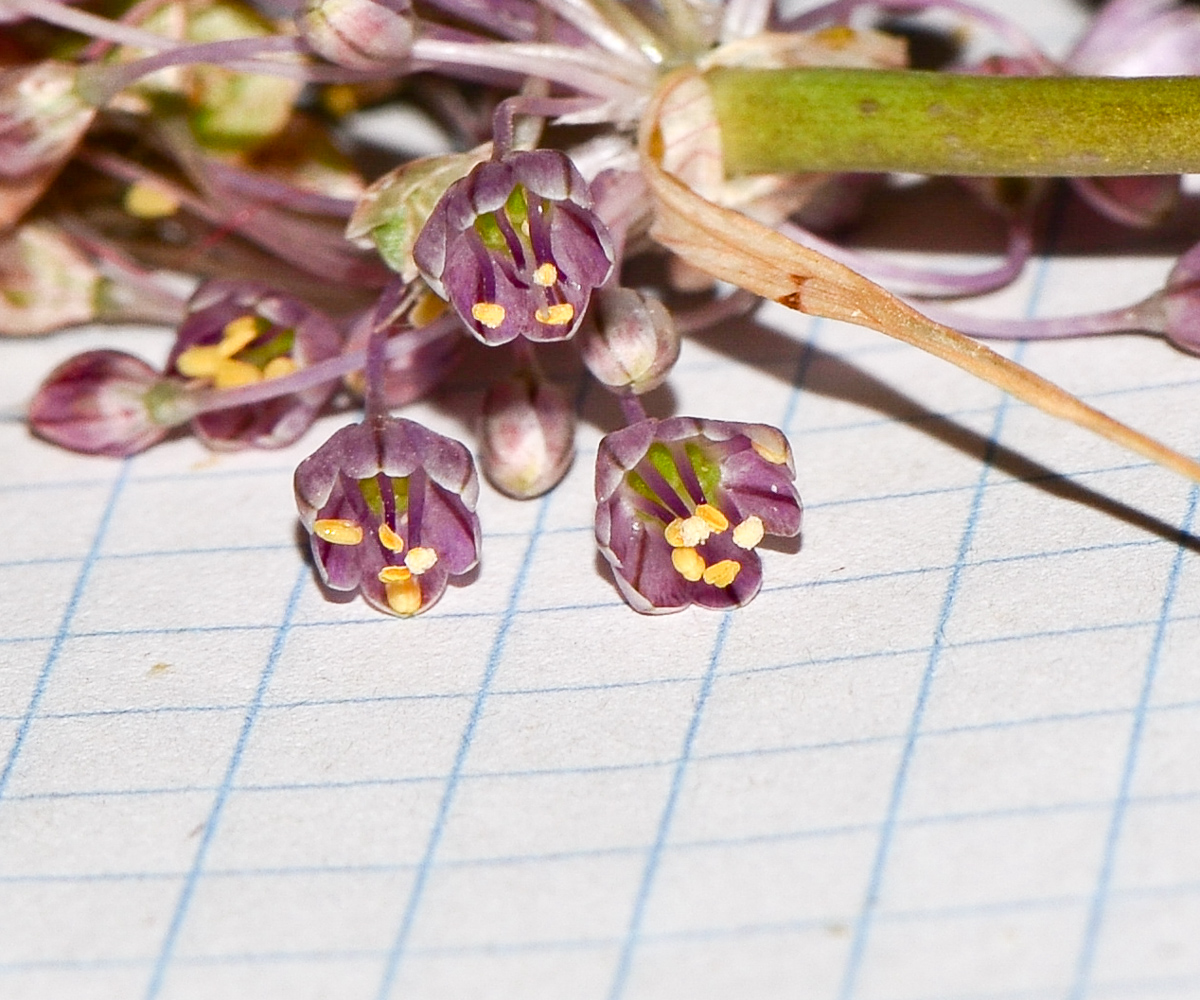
pixel 239 332
pixel 106 403
pixel 682 504
pixel 390 507
pixel 516 248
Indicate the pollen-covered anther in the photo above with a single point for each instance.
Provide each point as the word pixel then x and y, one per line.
pixel 712 517
pixel 403 596
pixel 279 367
pixel 557 315
pixel 395 574
pixel 237 334
pixel 688 563
pixel 420 559
pixel 723 573
pixel 338 531
pixel 389 539
pixel 198 362
pixel 749 533
pixel 231 373
pixel 775 457
pixel 147 200
pixel 546 275
pixel 490 314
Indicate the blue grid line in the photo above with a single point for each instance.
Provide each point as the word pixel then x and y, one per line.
pixel 1095 919
pixel 171 938
pixel 400 942
pixel 654 856
pixel 64 627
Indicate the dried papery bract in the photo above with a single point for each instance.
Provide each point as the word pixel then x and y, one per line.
pixel 238 333
pixel 735 248
pixel 390 507
pixel 682 504
pixel 107 403
pixel 527 435
pixel 516 249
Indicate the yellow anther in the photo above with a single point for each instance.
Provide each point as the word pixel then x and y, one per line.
pixel 770 454
pixel 238 333
pixel 147 200
pixel 389 539
pixel 836 37
pixel 428 308
pixel 231 373
pixel 674 534
pixel 723 573
pixel 198 362
pixel 490 314
pixel 338 531
pixel 688 563
pixel 559 315
pixel 419 559
pixel 546 275
pixel 404 597
pixel 339 99
pixel 278 367
pixel 694 530
pixel 395 574
pixel 712 517
pixel 749 533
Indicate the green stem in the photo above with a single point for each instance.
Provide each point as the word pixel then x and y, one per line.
pixel 937 123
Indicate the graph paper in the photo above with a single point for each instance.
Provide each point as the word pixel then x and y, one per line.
pixel 949 752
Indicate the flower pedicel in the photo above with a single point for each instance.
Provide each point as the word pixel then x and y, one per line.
pixel 588 134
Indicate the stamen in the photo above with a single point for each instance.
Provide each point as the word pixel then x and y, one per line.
pixel 749 533
pixel 546 275
pixel 770 454
pixel 198 362
pixel 723 573
pixel 420 559
pixel 688 563
pixel 238 333
pixel 559 315
pixel 395 574
pixel 673 533
pixel 338 531
pixel 231 373
pixel 279 367
pixel 428 308
pixel 712 517
pixel 147 200
pixel 490 314
pixel 389 539
pixel 404 597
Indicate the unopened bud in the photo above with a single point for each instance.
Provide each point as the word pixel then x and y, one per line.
pixel 359 34
pixel 528 437
pixel 47 283
pixel 629 340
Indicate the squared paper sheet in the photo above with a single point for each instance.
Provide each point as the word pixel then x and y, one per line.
pixel 949 752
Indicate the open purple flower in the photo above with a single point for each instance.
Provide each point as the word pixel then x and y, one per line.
pixel 682 504
pixel 516 248
pixel 237 333
pixel 390 506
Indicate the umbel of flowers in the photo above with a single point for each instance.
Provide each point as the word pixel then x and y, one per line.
pixel 586 134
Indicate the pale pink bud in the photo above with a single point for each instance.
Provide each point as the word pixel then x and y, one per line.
pixel 359 34
pixel 528 435
pixel 629 340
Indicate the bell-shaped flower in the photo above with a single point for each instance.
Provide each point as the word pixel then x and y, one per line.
pixel 107 403
pixel 239 332
pixel 516 248
pixel 682 505
pixel 390 507
pixel 527 437
pixel 359 34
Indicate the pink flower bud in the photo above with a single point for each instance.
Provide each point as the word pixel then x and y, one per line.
pixel 48 284
pixel 629 340
pixel 528 435
pixel 359 34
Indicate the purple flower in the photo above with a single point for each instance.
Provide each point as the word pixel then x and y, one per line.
pixel 237 333
pixel 390 506
pixel 516 248
pixel 682 504
pixel 105 403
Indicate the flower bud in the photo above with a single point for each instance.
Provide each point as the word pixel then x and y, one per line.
pixel 528 435
pixel 391 212
pixel 106 403
pixel 359 34
pixel 48 283
pixel 629 340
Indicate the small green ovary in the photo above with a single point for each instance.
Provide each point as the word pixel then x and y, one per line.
pixel 372 493
pixel 277 347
